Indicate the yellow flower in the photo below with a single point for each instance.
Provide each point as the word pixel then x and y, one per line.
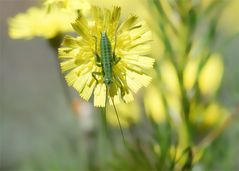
pixel 154 105
pixel 215 114
pixel 208 116
pixel 211 75
pixel 42 22
pixel 39 22
pixel 60 3
pixel 190 73
pixel 131 46
pixel 209 78
pixel 157 109
pixel 83 5
pixel 169 78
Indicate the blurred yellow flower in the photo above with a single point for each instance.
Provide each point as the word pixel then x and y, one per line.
pixel 211 75
pixel 214 114
pixel 190 74
pixel 154 105
pixel 169 78
pixel 78 55
pixel 128 114
pixel 60 3
pixel 83 5
pixel 125 4
pixel 38 22
pixel 42 22
pixel 208 79
pixel 208 116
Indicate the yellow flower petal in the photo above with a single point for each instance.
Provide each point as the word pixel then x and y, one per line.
pixel 154 105
pixel 170 79
pixel 128 23
pixel 70 64
pixel 190 72
pixel 88 88
pixel 214 114
pixel 211 75
pixel 100 95
pixel 83 5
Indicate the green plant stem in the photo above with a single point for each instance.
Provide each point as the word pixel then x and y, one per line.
pixel 179 71
pixel 163 15
pixel 165 103
pixel 55 44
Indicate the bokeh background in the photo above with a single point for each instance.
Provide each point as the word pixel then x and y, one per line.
pixel 37 125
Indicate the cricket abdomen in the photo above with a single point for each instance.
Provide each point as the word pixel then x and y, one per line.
pixel 106 58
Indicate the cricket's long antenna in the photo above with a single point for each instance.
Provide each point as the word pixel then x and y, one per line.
pixel 115 38
pixel 121 130
pixel 106 99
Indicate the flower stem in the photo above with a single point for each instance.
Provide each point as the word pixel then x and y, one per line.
pixel 54 44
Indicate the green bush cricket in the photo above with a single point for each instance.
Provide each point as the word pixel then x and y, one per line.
pixel 106 61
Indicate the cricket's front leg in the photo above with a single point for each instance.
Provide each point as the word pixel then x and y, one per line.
pixel 97 60
pixel 94 75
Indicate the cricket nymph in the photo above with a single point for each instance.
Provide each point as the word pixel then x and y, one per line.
pixel 106 58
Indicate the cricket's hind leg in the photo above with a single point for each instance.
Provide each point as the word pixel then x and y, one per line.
pixel 122 89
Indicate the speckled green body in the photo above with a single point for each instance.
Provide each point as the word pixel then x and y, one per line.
pixel 106 58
